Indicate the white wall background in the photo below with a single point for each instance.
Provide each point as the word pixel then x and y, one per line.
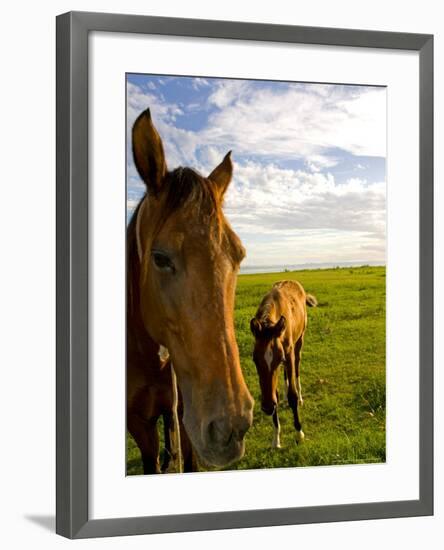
pixel 27 302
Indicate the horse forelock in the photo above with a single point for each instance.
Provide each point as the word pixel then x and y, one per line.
pixel 186 190
pixel 265 314
pixel 185 187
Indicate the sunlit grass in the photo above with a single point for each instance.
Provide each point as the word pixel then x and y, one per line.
pixel 342 372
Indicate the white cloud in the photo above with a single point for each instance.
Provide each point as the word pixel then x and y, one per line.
pixel 316 163
pixel 321 247
pixel 198 83
pixel 228 92
pixel 267 198
pixel 296 217
pixel 298 122
pixel 284 216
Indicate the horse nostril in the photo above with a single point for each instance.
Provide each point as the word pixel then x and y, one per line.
pixel 222 431
pixel 219 431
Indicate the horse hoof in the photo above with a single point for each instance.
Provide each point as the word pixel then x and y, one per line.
pixel 299 437
pixel 300 401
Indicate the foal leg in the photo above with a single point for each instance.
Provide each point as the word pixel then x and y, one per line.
pixel 285 381
pixel 292 395
pixel 145 435
pixel 276 444
pixel 297 363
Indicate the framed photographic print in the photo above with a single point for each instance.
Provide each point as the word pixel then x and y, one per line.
pixel 244 274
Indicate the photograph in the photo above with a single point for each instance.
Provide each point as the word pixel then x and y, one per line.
pixel 255 278
pixel 221 275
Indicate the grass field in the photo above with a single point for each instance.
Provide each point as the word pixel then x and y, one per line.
pixel 342 372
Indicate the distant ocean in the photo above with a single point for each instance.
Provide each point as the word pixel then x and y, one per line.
pixel 249 269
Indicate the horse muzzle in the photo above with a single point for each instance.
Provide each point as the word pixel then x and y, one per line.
pixel 223 439
pixel 216 423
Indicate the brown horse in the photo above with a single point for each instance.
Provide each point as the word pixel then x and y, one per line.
pixel 278 327
pixel 183 259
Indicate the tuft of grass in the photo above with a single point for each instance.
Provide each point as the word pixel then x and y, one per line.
pixel 342 372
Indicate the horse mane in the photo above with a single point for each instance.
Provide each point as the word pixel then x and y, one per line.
pixel 132 261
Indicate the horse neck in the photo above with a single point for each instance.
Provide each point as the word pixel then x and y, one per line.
pixel 132 265
pixel 137 336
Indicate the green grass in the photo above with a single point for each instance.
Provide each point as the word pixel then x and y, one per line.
pixel 342 372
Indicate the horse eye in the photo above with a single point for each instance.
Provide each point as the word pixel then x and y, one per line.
pixel 163 262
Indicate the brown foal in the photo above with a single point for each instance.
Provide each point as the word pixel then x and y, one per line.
pixel 278 327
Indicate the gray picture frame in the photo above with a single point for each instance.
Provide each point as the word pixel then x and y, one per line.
pixel 72 518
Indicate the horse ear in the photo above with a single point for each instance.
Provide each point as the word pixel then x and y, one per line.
pixel 255 326
pixel 222 174
pixel 148 153
pixel 279 327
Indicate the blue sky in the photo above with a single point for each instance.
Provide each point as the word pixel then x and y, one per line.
pixel 309 161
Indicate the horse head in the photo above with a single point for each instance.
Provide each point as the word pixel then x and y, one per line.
pixel 189 258
pixel 268 354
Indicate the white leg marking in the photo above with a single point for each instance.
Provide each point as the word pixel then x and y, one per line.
pixel 276 437
pixel 300 436
pixel 298 387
